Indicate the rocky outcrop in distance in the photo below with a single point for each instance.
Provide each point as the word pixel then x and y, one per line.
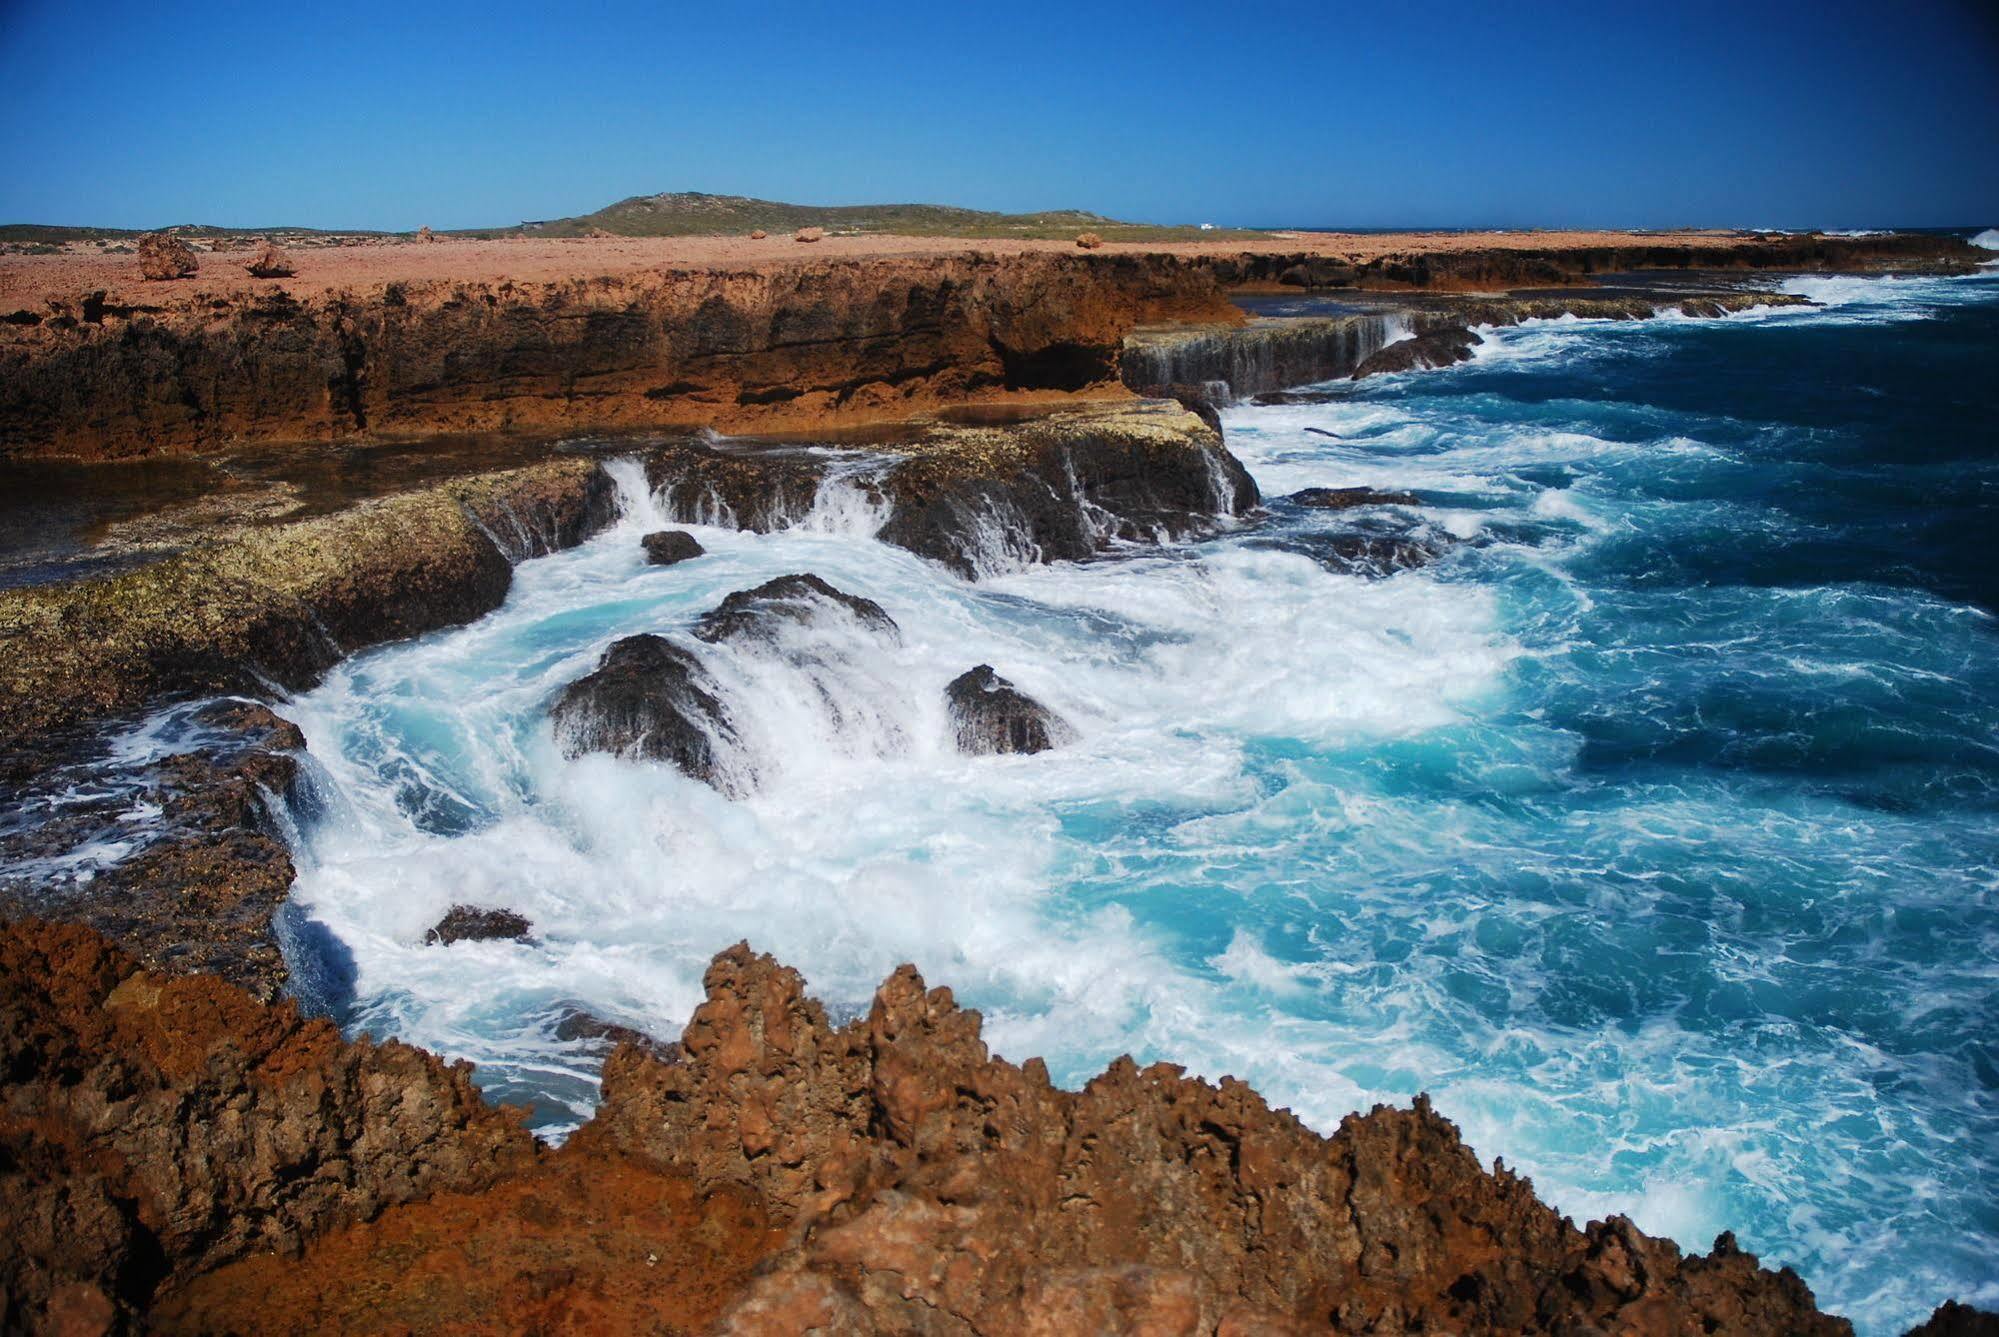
pixel 1436 348
pixel 770 1172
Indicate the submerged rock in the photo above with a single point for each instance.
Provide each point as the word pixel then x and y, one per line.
pixel 990 716
pixel 757 490
pixel 1346 498
pixel 667 546
pixel 788 600
pixel 649 700
pixel 165 256
pixel 1438 348
pixel 469 923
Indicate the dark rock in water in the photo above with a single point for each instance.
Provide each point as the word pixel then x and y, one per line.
pixel 587 1027
pixel 468 923
pixel 757 490
pixel 992 716
pixel 647 700
pixel 1368 554
pixel 668 546
pixel 1271 397
pixel 1330 436
pixel 1346 498
pixel 1438 348
pixel 1063 487
pixel 787 599
pixel 1953 1319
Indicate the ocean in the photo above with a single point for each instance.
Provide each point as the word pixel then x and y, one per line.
pixel 1636 795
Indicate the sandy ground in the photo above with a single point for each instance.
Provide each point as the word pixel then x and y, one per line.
pixel 28 281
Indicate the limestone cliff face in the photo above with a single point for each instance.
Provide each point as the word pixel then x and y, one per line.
pixel 795 343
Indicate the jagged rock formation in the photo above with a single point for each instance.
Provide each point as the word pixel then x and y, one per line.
pixel 1263 355
pixel 1436 348
pixel 989 716
pixel 670 546
pixel 648 699
pixel 183 1158
pixel 469 923
pixel 153 1127
pixel 282 604
pixel 934 1189
pixel 165 256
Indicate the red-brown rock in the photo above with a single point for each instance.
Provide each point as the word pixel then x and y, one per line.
pixel 162 255
pixel 272 262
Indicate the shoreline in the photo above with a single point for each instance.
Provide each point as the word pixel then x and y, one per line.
pixel 747 1126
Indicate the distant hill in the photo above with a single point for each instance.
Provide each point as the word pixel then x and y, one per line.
pixel 693 214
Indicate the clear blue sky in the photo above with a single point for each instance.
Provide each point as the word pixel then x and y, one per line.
pixel 405 112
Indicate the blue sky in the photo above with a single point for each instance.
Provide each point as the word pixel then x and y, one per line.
pixel 391 115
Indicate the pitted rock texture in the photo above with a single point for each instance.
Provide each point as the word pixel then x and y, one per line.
pixel 154 1126
pixel 471 923
pixel 934 1189
pixel 991 716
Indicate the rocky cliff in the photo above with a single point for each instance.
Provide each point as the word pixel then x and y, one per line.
pixel 183 1158
pixel 798 342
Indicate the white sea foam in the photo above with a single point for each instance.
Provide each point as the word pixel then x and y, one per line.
pixel 1987 240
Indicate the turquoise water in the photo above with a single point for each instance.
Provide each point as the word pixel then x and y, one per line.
pixel 1652 828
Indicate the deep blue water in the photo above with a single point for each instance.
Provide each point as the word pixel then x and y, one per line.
pixel 1653 827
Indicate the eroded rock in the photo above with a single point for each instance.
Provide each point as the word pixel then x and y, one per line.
pixel 272 262
pixel 153 1127
pixel 809 234
pixel 991 716
pixel 162 256
pixel 669 546
pixel 936 1189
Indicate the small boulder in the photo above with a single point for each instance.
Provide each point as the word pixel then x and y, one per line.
pixel 991 716
pixel 1438 348
pixel 1089 241
pixel 162 255
pixel 272 262
pixel 647 700
pixel 468 923
pixel 762 611
pixel 758 235
pixel 668 546
pixel 810 234
pixel 424 234
pixel 1346 498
